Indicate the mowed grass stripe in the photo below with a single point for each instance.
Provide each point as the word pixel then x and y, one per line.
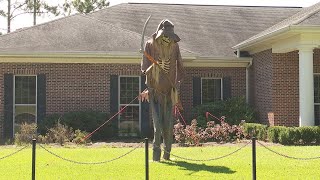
pixel 132 166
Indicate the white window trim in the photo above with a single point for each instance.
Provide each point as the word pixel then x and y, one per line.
pixel 119 105
pixel 14 100
pixel 212 78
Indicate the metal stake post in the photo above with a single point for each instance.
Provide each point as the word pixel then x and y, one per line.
pixel 254 168
pixel 34 141
pixel 147 158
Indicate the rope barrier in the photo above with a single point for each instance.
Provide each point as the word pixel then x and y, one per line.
pixel 291 157
pixel 13 153
pixel 207 117
pixel 210 159
pixel 89 135
pixel 177 110
pixel 78 162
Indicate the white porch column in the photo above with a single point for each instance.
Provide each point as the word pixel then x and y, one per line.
pixel 306 92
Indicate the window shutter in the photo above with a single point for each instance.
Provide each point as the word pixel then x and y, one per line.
pixel 226 88
pixel 114 102
pixel 8 106
pixel 145 119
pixel 41 97
pixel 196 81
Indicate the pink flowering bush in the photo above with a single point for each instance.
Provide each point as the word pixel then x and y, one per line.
pixel 194 135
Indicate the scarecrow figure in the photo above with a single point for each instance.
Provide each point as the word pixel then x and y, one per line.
pixel 162 65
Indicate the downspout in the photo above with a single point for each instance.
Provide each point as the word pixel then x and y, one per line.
pixel 247 81
pixel 247 76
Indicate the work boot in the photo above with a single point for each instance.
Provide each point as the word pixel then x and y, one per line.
pixel 156 155
pixel 166 156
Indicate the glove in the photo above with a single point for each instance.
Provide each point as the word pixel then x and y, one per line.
pixel 144 96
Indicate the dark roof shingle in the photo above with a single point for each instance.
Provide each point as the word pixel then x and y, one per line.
pixel 307 16
pixel 204 30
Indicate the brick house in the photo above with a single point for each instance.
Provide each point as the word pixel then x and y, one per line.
pixel 270 55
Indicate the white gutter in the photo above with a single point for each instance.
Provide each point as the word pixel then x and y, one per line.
pixel 116 58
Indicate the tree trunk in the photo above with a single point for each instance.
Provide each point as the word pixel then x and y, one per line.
pixel 9 16
pixel 34 12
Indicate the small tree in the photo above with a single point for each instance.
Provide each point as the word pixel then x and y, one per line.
pixel 20 7
pixel 83 6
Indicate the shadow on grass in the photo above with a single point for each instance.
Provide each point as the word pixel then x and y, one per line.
pixel 199 167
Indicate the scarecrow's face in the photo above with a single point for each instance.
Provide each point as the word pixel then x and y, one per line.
pixel 165 40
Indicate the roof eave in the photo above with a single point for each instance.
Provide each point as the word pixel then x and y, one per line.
pixel 246 44
pixel 305 28
pixel 122 58
pixel 297 29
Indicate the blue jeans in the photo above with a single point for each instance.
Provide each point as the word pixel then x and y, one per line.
pixel 161 108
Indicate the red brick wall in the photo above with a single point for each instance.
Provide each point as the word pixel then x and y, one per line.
pixel 73 87
pixel 261 90
pixel 1 104
pixel 316 61
pixel 277 101
pixel 238 84
pixel 286 88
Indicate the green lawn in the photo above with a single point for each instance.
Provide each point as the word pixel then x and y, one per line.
pixel 236 166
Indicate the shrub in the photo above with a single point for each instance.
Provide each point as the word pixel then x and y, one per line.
pixel 179 133
pixel 222 132
pixel 284 135
pixel 190 135
pixel 200 111
pixel 308 134
pixel 48 122
pixel 79 135
pixel 317 135
pixel 60 134
pixel 26 134
pixel 273 133
pixel 86 121
pixel 255 130
pixel 289 136
pixel 234 109
pixel 194 135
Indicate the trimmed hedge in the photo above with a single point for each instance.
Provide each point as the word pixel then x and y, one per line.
pixel 273 133
pixel 255 130
pixel 284 135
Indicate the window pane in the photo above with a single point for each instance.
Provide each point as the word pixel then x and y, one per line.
pixel 129 120
pixel 25 90
pixel 129 89
pixel 24 114
pixel 211 90
pixel 317 114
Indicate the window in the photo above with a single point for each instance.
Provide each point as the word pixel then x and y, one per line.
pixel 317 98
pixel 25 101
pixel 129 119
pixel 211 89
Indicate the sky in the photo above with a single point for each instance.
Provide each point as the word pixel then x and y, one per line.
pixel 27 20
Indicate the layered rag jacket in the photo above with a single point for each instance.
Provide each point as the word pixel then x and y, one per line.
pixel 167 82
